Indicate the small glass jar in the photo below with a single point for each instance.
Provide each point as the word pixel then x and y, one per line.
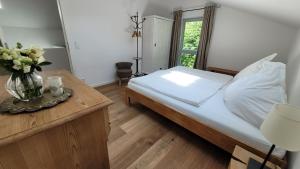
pixel 55 85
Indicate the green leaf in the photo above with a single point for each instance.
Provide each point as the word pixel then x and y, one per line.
pixel 192 35
pixel 19 45
pixel 45 63
pixel 188 60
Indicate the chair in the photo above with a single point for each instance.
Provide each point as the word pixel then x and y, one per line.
pixel 124 71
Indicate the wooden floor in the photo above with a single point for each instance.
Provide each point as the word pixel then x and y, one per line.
pixel 142 139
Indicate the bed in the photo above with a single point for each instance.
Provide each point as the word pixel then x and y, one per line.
pixel 209 119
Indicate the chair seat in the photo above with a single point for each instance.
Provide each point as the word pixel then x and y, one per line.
pixel 124 70
pixel 124 73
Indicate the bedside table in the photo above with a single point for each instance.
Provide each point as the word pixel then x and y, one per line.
pixel 240 158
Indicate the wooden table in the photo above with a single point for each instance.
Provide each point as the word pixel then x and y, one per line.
pixel 68 136
pixel 240 159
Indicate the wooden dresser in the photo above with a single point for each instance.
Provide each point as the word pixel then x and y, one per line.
pixel 72 135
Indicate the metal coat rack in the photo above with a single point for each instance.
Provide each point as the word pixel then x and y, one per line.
pixel 137 34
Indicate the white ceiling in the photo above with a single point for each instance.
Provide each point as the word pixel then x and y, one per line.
pixel 24 12
pixel 287 11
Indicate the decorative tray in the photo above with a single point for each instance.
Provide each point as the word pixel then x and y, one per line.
pixel 14 106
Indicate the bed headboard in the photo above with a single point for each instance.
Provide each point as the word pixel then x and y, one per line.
pixel 223 71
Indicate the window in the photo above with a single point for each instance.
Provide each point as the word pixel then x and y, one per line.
pixel 191 30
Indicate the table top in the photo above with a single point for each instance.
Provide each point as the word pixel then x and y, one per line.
pixel 84 101
pixel 241 158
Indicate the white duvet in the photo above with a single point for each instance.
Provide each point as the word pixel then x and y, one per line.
pixel 184 84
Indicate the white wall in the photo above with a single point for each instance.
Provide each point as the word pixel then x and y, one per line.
pixel 31 22
pixel 156 7
pixel 99 35
pixel 57 55
pixel 285 11
pixel 1 33
pixel 293 72
pixel 30 13
pixel 51 39
pixel 240 38
pixel 35 22
pixel 293 79
pixel 43 37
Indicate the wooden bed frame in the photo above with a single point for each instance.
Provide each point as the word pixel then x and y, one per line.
pixel 213 136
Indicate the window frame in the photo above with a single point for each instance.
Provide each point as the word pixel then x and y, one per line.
pixel 180 51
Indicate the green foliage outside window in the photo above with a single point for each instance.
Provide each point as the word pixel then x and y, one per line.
pixel 190 43
pixel 192 35
pixel 188 60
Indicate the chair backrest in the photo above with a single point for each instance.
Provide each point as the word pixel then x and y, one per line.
pixel 124 65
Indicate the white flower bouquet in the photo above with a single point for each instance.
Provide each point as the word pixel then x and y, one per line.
pixel 22 61
pixel 24 83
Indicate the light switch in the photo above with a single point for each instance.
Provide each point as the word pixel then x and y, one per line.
pixel 76 45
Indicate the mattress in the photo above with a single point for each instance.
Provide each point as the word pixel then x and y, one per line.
pixel 187 83
pixel 214 114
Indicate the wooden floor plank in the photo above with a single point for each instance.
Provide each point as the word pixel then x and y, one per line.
pixel 142 139
pixel 132 137
pixel 115 133
pixel 136 147
pixel 137 123
pixel 158 151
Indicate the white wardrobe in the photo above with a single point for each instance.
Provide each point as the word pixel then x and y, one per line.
pixel 157 33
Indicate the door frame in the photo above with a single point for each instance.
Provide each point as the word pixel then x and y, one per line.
pixel 65 35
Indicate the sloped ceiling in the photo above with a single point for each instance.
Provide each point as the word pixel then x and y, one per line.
pixel 286 11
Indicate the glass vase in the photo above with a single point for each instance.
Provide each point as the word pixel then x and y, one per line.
pixel 25 87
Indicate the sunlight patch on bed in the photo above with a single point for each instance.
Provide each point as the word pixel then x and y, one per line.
pixel 180 78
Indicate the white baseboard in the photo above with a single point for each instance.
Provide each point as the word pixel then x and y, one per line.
pixel 103 84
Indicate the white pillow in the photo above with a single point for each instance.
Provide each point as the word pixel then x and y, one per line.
pixel 254 67
pixel 252 98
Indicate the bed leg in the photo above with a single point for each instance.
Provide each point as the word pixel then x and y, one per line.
pixel 127 100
